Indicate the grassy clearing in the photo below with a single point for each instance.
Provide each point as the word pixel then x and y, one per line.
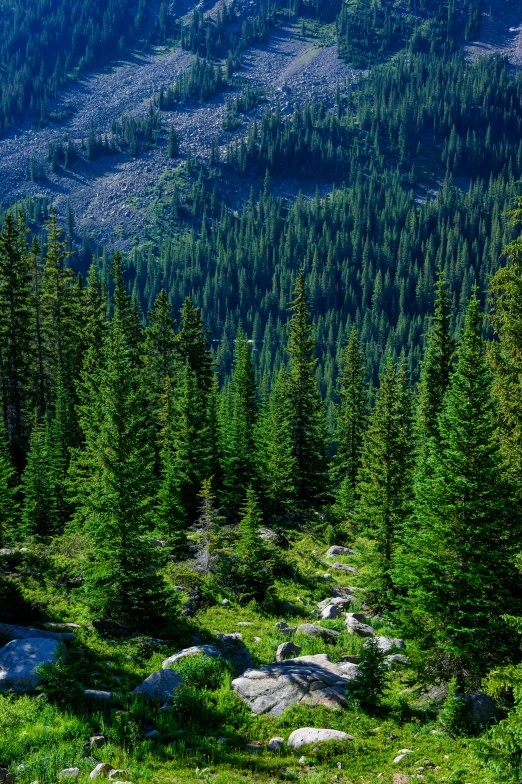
pixel 42 734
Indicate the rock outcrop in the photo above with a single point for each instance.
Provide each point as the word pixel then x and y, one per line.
pixel 355 624
pixel 19 660
pixel 311 630
pixel 310 680
pixel 338 550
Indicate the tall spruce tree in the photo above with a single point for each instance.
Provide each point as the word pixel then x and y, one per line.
pixel 458 564
pixel 307 418
pixel 116 491
pixel 352 414
pixel 15 332
pixel 242 410
pixel 159 348
pixel 9 507
pixel 385 481
pixel 40 511
pixel 505 355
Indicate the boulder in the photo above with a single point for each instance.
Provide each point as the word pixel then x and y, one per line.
pixel 330 612
pixel 344 568
pixel 386 644
pixel 69 773
pixel 234 649
pixel 195 650
pixel 19 660
pixel 354 623
pixel 481 708
pixel 287 650
pixel 158 543
pixel 396 658
pixel 311 630
pixel 327 576
pixel 114 775
pixel 306 735
pixel 160 685
pixel 309 680
pixel 338 550
pixel 101 771
pixel 11 632
pixel 349 670
pixel 337 601
pixel 96 741
pixel 275 743
pixel 283 628
pixel 97 694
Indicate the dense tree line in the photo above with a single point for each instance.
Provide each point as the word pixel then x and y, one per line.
pixel 45 44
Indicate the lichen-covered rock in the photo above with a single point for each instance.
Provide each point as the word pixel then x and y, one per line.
pixel 160 685
pixel 287 650
pixel 355 624
pixel 330 612
pixel 306 735
pixel 19 660
pixel 310 680
pixel 311 630
pixel 386 644
pixel 195 650
pixel 337 601
pixel 344 568
pixel 338 550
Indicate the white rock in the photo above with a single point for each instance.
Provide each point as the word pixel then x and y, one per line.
pixel 195 650
pixel 302 760
pixel 117 774
pixel 327 577
pixel 103 769
pixel 275 743
pixel 160 685
pixel 338 550
pixel 19 660
pixel 306 735
pixel 69 773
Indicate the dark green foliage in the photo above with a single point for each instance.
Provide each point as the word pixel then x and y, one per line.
pixel 454 711
pixel 44 45
pixel 250 569
pixel 8 491
pixel 202 672
pixel 199 84
pixel 173 143
pixel 371 684
pixel 458 563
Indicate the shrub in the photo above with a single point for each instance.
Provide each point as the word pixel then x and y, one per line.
pixel 372 682
pixel 202 672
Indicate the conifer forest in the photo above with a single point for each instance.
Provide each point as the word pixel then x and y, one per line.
pixel 261 391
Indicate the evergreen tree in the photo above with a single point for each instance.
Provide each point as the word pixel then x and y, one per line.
pixel 207 530
pixel 40 515
pixel 128 313
pixel 307 423
pixel 242 410
pixel 117 491
pixel 9 508
pixel 15 332
pixel 251 569
pixel 38 374
pixel 159 349
pixel 173 143
pixel 458 564
pixel 385 481
pixel 351 415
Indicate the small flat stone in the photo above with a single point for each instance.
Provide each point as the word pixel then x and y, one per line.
pixel 97 694
pixel 344 568
pixel 151 734
pixel 311 630
pixel 195 650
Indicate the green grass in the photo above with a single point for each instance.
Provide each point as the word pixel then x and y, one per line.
pixel 40 736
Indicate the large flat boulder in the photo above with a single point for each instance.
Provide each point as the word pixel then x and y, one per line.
pixel 19 660
pixel 355 624
pixel 311 630
pixel 306 735
pixel 10 631
pixel 160 685
pixel 336 549
pixel 310 680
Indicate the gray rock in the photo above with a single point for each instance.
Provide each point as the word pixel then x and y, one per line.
pixel 152 733
pixel 234 649
pixel 96 741
pixel 302 760
pixel 195 650
pixel 97 694
pixel 327 576
pixel 481 708
pixel 338 550
pixel 225 602
pixel 287 650
pixel 338 601
pixel 160 685
pixel 309 680
pixel 311 630
pixel 117 774
pixel 267 534
pixel 158 543
pixel 101 770
pixel 275 743
pixel 19 660
pixel 11 632
pixel 283 628
pixel 306 735
pixel 355 625
pixel 344 568
pixel 330 612
pixel 349 670
pixel 69 773
pixel 387 644
pixel 396 658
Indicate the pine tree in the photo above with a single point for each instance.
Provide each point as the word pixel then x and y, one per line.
pixel 308 423
pixel 173 143
pixel 351 415
pixel 116 493
pixel 38 370
pixel 9 507
pixel 207 530
pixel 159 349
pixel 385 481
pixel 242 411
pixel 251 568
pixel 15 332
pixel 40 516
pixel 458 563
pixel 127 310
pixel 193 347
pixel 505 356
